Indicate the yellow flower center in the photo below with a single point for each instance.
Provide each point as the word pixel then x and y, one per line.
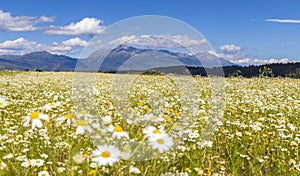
pixel 43 175
pixel 81 123
pixel 118 129
pixel 1 103
pixel 92 172
pixel 160 141
pixel 34 115
pixel 105 154
pixel 83 112
pixel 124 109
pixel 127 148
pixel 153 118
pixel 156 131
pixel 68 116
pixel 52 104
pixel 147 108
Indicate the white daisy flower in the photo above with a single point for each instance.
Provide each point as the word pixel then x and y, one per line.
pixel 206 144
pixel 117 132
pixel 134 170
pixel 161 142
pixel 61 169
pixel 106 154
pixel 28 163
pixel 49 106
pixel 3 103
pixel 44 155
pixel 151 131
pixel 125 155
pixel 93 165
pixel 8 156
pixel 82 126
pixel 106 120
pixel 21 158
pixel 83 115
pixel 68 118
pixel 78 158
pixel 39 162
pixel 2 165
pixel 153 118
pixel 35 119
pixel 25 164
pixel 43 173
pixel 96 125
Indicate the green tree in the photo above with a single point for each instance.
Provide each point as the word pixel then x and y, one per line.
pixel 265 72
pixel 236 73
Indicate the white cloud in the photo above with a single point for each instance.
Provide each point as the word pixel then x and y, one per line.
pixel 75 42
pixel 234 54
pixel 18 44
pixel 230 49
pixel 242 61
pixel 21 46
pixel 21 23
pixel 55 49
pixel 6 51
pixel 271 61
pixel 44 19
pixel 87 26
pixel 283 20
pixel 212 52
pixel 159 41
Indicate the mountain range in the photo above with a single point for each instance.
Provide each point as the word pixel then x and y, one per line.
pixel 38 61
pixel 122 57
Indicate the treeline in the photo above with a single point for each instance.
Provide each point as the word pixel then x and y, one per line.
pixel 269 70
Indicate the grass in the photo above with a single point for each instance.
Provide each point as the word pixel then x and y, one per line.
pixel 258 134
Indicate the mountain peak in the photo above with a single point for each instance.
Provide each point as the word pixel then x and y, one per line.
pixel 124 47
pixel 39 53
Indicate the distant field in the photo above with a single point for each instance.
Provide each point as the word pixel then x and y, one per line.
pixel 41 130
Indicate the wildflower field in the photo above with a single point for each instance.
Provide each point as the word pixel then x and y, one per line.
pixel 41 133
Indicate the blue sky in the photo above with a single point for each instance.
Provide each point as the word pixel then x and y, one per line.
pixel 244 32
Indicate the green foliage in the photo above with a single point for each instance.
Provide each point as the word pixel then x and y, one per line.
pixel 153 72
pixel 266 72
pixel 236 73
pixel 295 73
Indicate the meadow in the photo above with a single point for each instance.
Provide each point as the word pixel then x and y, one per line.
pixel 43 133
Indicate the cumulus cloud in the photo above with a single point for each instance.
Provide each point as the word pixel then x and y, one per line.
pixel 283 20
pixel 159 41
pixel 243 61
pixel 87 26
pixel 55 49
pixel 271 61
pixel 45 19
pixel 21 46
pixel 21 23
pixel 230 49
pixel 234 54
pixel 75 42
pixel 18 44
